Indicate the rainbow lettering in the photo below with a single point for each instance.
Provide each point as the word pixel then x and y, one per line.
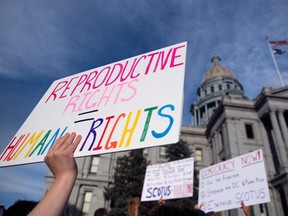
pixel 130 104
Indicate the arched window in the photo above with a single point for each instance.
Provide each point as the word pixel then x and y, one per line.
pixel 212 89
pixel 220 87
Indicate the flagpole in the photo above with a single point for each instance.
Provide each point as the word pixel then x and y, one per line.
pixel 275 63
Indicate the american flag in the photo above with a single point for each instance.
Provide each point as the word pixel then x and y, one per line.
pixel 278 43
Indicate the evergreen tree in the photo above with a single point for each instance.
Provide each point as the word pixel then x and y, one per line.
pixel 128 181
pixel 180 151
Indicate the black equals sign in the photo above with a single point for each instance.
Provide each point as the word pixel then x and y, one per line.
pixel 87 119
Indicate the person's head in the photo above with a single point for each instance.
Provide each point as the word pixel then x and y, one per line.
pixel 20 208
pixel 174 210
pixel 101 212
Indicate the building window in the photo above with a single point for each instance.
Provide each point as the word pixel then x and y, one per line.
pixel 87 202
pixel 162 151
pixel 249 131
pixel 228 86
pixel 212 89
pixel 220 87
pixel 198 154
pixel 145 152
pixel 283 201
pixel 94 164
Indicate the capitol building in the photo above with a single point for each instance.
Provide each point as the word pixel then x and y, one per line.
pixel 226 124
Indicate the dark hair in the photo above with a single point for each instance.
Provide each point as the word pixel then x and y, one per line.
pixel 101 212
pixel 20 208
pixel 174 209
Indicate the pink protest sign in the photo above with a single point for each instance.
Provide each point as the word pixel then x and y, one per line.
pixel 130 104
pixel 224 185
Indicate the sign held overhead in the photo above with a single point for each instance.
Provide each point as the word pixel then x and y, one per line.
pixel 224 185
pixel 169 180
pixel 120 106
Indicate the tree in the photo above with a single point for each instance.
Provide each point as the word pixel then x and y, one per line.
pixel 180 151
pixel 128 181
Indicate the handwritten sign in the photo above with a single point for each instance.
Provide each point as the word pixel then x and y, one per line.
pixel 169 180
pixel 224 185
pixel 121 106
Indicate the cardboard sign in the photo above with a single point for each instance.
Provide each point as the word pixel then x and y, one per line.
pixel 133 206
pixel 169 180
pixel 224 185
pixel 122 106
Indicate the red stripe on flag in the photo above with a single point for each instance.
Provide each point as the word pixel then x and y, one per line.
pixel 278 43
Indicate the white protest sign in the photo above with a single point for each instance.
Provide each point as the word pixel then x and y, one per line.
pixel 121 106
pixel 169 180
pixel 224 185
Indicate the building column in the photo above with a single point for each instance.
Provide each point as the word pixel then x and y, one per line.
pixel 80 199
pixel 199 117
pixel 195 117
pixel 267 153
pixel 220 146
pixel 206 114
pixel 195 121
pixel 279 141
pixel 225 138
pixel 239 143
pixel 215 150
pixel 283 126
pixel 86 166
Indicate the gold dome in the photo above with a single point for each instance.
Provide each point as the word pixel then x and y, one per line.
pixel 217 70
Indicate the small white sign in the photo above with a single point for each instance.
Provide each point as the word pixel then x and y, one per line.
pixel 224 185
pixel 169 180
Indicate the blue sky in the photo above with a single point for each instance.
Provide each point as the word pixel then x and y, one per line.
pixel 41 41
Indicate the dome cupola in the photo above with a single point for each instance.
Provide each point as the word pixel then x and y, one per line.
pixel 217 82
pixel 217 70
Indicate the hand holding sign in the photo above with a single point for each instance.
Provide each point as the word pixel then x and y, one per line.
pixel 62 164
pixel 60 158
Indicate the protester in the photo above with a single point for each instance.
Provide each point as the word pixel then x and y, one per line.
pixel 20 208
pixel 101 212
pixel 174 209
pixel 199 206
pixel 246 209
pixel 161 201
pixel 62 164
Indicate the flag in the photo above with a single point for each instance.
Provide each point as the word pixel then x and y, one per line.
pixel 278 43
pixel 278 51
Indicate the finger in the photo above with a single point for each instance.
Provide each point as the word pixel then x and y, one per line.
pixel 58 142
pixel 72 147
pixel 67 142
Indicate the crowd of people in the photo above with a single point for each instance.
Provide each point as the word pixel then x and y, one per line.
pixel 62 164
